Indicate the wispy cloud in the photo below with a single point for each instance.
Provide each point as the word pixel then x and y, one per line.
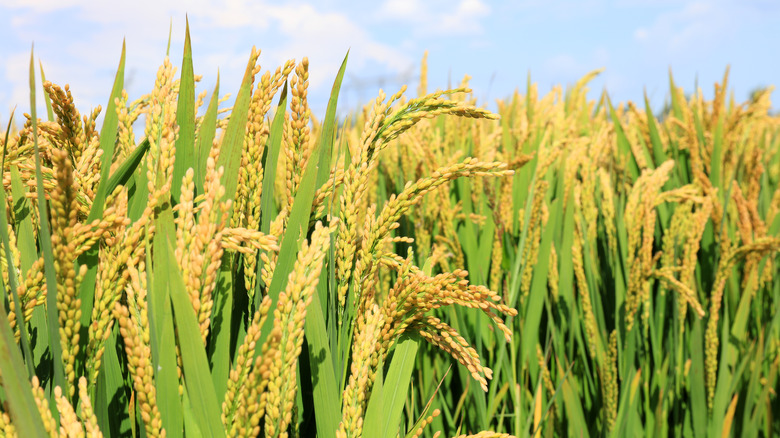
pixel 697 25
pixel 223 32
pixel 437 18
pixel 78 42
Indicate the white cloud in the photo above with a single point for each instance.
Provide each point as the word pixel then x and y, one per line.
pixel 17 72
pixel 437 17
pixel 465 17
pixel 697 25
pixel 325 39
pixel 402 10
pixel 40 5
pixel 631 3
pixel 222 32
pixel 555 10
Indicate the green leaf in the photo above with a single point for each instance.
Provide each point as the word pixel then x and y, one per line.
pixel 269 176
pixel 193 353
pixel 716 159
pixel 25 237
pixel 125 171
pixel 698 394
pixel 327 403
pixel 572 403
pixel 233 141
pixel 538 293
pixel 110 392
pixel 270 164
pixel 220 354
pixel 18 392
pixel 163 338
pixel 375 411
pixel 28 254
pixel 208 128
pixel 14 283
pixel 108 136
pixel 46 98
pixel 659 156
pixel 397 383
pixel 44 236
pixel 140 197
pixel 190 422
pixel 328 127
pixel 185 118
pixel 624 147
pixel 325 395
pixel 298 223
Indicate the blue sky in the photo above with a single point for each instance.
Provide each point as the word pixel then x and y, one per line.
pixel 497 43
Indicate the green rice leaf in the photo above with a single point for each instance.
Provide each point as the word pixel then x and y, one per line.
pixel 399 376
pixel 46 98
pixel 221 330
pixel 327 403
pixel 126 170
pixel 297 227
pixel 233 142
pixel 44 236
pixel 271 161
pixel 624 147
pixel 28 254
pixel 18 391
pixel 13 282
pixel 538 293
pixel 110 392
pixel 161 327
pixel 329 127
pixel 190 422
pixel 659 156
pixel 185 118
pixel 108 137
pixel 193 354
pixel 208 128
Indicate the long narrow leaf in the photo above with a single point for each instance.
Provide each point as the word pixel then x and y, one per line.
pixel 185 118
pixel 18 392
pixel 108 136
pixel 14 283
pixel 45 242
pixel 208 128
pixel 193 354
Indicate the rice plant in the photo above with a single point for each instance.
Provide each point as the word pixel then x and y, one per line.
pixel 424 267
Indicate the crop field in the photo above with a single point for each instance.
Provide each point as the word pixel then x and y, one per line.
pixel 421 268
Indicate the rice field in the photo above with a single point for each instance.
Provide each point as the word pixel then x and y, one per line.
pixel 422 268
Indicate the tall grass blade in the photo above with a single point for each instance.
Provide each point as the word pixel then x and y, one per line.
pixel 329 127
pixel 399 376
pixel 327 405
pixel 44 236
pixel 108 138
pixel 185 118
pixel 233 141
pixel 273 148
pixel 208 128
pixel 46 98
pixel 12 280
pixel 193 354
pixel 161 325
pixel 18 392
pixel 127 169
